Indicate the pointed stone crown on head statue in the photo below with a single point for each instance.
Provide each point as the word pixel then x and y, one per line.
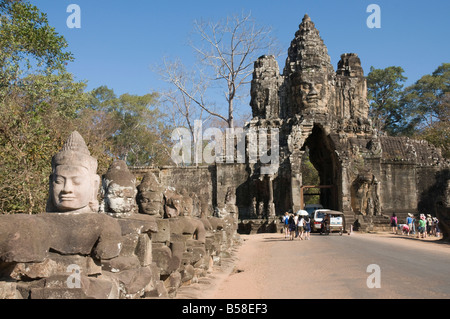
pixel 75 152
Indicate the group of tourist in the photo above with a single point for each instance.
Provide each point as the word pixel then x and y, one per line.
pixel 297 226
pixel 422 226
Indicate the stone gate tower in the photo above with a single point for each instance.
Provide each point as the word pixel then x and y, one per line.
pixel 365 173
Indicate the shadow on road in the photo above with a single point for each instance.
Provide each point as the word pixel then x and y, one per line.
pixel 282 238
pixel 273 239
pixel 434 241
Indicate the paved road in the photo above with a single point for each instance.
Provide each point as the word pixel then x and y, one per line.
pixel 334 266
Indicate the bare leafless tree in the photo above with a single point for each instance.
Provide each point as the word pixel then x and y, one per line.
pixel 226 51
pixel 183 99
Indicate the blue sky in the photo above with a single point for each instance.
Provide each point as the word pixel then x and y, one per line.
pixel 120 41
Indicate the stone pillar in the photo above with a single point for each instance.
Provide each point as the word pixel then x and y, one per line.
pixel 270 204
pixel 296 182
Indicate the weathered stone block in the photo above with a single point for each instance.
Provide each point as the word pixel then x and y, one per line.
pixel 133 282
pixel 100 288
pixel 198 254
pixel 210 245
pixel 24 287
pixel 138 224
pixel 57 293
pixel 8 290
pixel 144 250
pixel 121 263
pixel 60 281
pixel 159 291
pixel 189 227
pixel 88 266
pixel 129 244
pixel 163 234
pixel 187 274
pixel 23 238
pixel 162 256
pixel 84 233
pixel 27 271
pixel 172 283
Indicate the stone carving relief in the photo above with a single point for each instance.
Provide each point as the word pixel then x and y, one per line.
pixel 265 101
pixel 366 195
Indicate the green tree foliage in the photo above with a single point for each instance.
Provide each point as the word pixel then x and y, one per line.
pixel 136 126
pixel 33 125
pixel 38 100
pixel 384 90
pixel 41 105
pixel 28 45
pixel 428 103
pixel 310 176
pixel 421 110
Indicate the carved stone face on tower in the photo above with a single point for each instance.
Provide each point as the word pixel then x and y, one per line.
pixel 73 183
pixel 258 101
pixel 310 91
pixel 308 71
pixel 264 87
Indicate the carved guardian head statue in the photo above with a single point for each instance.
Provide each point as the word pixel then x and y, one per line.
pixel 119 190
pixel 74 182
